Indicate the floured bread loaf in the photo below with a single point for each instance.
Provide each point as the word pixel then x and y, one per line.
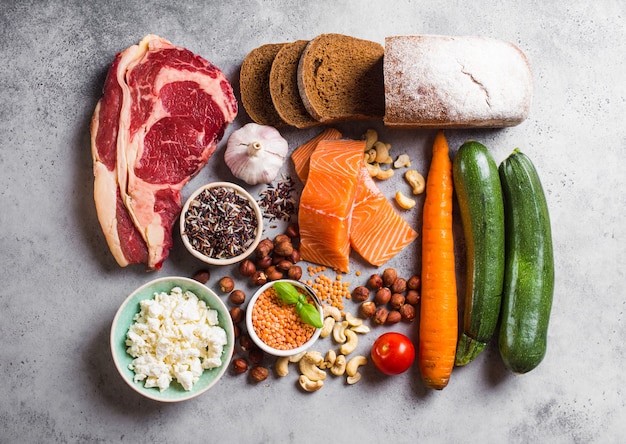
pixel 341 78
pixel 436 81
pixel 284 86
pixel 254 84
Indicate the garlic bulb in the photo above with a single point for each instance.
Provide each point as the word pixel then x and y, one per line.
pixel 255 153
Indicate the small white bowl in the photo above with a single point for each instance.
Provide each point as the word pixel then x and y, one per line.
pixel 124 319
pixel 262 345
pixel 227 260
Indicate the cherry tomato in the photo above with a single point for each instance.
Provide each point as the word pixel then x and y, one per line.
pixel 393 353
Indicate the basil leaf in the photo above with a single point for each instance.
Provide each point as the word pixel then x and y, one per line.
pixel 310 314
pixel 286 292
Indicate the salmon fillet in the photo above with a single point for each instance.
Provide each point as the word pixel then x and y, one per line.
pixel 302 154
pixel 327 200
pixel 375 230
pixel 378 232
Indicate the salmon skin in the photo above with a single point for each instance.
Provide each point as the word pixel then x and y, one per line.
pixel 361 213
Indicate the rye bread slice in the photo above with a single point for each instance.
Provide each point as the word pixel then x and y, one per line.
pixel 284 86
pixel 254 84
pixel 340 78
pixel 435 81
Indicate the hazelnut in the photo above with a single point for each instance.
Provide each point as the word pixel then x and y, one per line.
pixel 294 257
pixel 412 297
pixel 397 300
pixel 360 293
pixel 247 268
pixel 237 297
pixel 389 276
pixel 226 284
pixel 399 285
pixel 393 317
pixel 259 278
pixel 380 315
pixel 202 276
pixel 273 273
pixel 264 248
pixel 281 238
pixel 259 373
pixel 295 273
pixel 284 264
pixel 236 331
pixel 240 366
pixel 293 230
pixel 382 296
pixel 245 342
pixel 375 282
pixel 256 356
pixel 414 283
pixel 236 313
pixel 408 312
pixel 263 262
pixel 283 248
pixel 367 309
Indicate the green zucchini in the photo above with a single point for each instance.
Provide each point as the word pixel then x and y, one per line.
pixel 479 194
pixel 529 266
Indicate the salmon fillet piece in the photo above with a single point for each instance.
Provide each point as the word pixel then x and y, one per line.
pixel 378 232
pixel 302 155
pixel 327 200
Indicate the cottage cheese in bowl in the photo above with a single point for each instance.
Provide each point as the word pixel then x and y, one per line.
pixel 171 339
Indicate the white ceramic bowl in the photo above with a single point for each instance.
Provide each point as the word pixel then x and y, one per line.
pixel 226 260
pixel 124 319
pixel 262 345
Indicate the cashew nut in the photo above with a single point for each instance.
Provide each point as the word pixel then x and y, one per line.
pixel 353 321
pixel 354 363
pixel 329 323
pixel 309 366
pixel 354 379
pixel 384 174
pixel 339 332
pixel 329 359
pixel 373 169
pixel 416 180
pixel 360 329
pixel 370 156
pixel 404 201
pixel 339 366
pixel 402 161
pixel 371 137
pixel 350 345
pixel 334 312
pixel 282 366
pixel 382 152
pixel 309 385
pixel 296 357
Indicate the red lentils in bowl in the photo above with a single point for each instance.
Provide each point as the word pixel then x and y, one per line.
pixel 275 326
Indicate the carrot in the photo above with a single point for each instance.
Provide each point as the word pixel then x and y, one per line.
pixel 438 312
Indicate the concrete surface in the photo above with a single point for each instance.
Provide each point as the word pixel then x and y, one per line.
pixel 61 287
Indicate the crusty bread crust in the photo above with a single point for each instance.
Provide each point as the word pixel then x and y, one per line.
pixel 254 82
pixel 284 86
pixel 341 78
pixel 434 81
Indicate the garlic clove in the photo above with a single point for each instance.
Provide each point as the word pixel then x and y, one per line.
pixel 255 153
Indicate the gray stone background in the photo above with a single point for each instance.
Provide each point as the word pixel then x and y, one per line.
pixel 61 287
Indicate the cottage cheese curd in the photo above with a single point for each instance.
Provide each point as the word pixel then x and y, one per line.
pixel 174 336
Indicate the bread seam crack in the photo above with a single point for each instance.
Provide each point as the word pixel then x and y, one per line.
pixel 479 84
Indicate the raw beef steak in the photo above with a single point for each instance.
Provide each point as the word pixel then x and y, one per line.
pixel 161 115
